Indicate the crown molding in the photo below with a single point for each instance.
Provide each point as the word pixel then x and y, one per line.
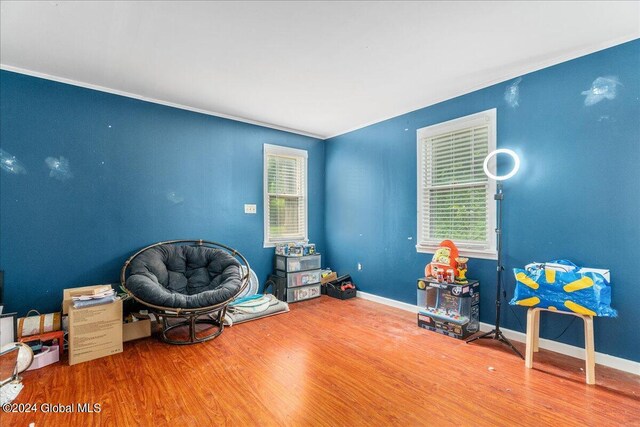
pixel 503 77
pixel 139 97
pixel 514 72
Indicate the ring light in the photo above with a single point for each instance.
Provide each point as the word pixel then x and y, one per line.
pixel 516 164
pixel 496 333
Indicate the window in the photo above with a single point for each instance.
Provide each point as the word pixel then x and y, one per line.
pixel 455 197
pixel 285 195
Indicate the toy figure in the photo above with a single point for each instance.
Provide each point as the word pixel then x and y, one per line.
pixel 450 276
pixel 443 259
pixel 462 270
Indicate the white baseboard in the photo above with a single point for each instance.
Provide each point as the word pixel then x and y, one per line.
pixel 558 347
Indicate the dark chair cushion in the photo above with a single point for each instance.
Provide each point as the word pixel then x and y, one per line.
pixel 177 276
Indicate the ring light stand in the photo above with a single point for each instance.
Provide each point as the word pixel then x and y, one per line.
pixel 496 333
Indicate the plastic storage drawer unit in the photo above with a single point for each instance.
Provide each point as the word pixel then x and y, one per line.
pixel 303 293
pixel 302 278
pixel 297 263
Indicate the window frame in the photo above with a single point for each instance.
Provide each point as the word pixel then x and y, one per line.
pixel 426 245
pixel 278 150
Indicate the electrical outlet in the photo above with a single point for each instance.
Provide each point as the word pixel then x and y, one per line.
pixel 250 209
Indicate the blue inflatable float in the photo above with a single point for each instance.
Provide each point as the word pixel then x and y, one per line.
pixel 562 285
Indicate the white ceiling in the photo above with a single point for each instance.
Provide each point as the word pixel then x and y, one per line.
pixel 317 68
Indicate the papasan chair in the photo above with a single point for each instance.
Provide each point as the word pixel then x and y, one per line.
pixel 191 281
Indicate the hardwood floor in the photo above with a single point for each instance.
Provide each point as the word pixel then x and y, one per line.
pixel 328 363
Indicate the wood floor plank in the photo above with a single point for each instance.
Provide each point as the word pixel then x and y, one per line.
pixel 329 363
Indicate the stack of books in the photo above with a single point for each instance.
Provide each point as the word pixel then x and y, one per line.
pixel 88 298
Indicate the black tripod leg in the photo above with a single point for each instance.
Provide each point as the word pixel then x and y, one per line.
pixel 485 335
pixel 504 339
pixel 498 335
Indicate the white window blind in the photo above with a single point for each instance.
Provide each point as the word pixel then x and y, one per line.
pixel 285 176
pixel 455 197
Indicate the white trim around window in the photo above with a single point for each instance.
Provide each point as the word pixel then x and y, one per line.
pixel 455 197
pixel 285 195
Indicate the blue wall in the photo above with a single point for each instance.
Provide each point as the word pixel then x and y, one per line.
pixel 126 156
pixel 577 195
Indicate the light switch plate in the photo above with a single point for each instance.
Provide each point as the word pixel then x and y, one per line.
pixel 249 209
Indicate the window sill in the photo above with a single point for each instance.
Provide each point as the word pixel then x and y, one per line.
pixel 273 244
pixel 469 253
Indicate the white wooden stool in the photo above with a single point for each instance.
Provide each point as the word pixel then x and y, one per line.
pixel 533 338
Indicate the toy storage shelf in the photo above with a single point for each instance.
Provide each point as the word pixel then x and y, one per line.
pixel 291 264
pixel 298 276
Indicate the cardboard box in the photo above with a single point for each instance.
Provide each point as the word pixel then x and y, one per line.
pixel 451 309
pixel 67 294
pixel 95 332
pixel 329 278
pixel 449 328
pixel 136 330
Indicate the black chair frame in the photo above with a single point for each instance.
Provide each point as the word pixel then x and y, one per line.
pixel 190 317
